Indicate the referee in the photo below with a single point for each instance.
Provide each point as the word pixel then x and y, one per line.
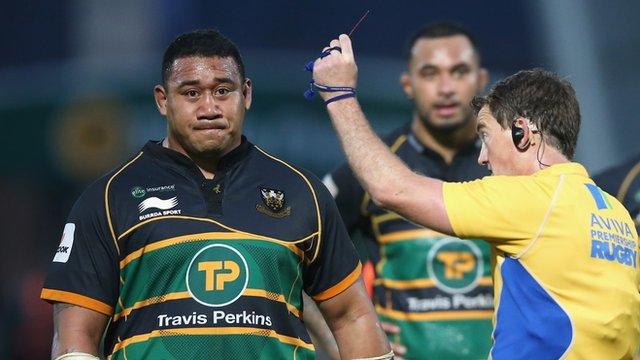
pixel 200 246
pixel 566 253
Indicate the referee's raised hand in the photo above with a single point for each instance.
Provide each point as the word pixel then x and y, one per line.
pixel 338 68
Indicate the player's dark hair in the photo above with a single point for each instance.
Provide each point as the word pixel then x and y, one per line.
pixel 204 43
pixel 544 98
pixel 438 30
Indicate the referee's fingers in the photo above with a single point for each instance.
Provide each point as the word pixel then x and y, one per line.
pixel 347 50
pixel 335 43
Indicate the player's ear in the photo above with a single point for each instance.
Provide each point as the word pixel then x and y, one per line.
pixel 405 82
pixel 247 93
pixel 160 96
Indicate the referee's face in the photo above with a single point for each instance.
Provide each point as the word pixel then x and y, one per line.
pixel 204 102
pixel 498 152
pixel 443 76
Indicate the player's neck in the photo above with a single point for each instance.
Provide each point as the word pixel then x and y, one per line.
pixel 446 144
pixel 206 164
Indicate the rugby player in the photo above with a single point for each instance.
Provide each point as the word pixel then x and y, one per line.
pixel 440 306
pixel 201 245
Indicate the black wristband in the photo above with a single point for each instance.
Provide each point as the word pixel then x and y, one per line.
pixel 340 97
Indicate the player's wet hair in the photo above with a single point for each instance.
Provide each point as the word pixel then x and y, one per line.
pixel 439 30
pixel 204 43
pixel 544 98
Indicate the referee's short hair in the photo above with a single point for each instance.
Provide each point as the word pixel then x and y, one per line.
pixel 438 30
pixel 205 43
pixel 544 98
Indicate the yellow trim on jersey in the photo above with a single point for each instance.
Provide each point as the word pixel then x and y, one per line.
pixel 106 200
pixel 150 301
pixel 377 219
pixel 272 296
pixel 626 183
pixel 366 197
pixel 76 299
pixel 313 193
pixel 385 217
pixel 185 295
pixel 341 286
pixel 201 237
pixel 184 217
pixel 407 235
pixel 434 315
pixel 214 331
pixel 421 283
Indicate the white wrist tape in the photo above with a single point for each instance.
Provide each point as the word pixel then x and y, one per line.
pixel 77 356
pixel 388 356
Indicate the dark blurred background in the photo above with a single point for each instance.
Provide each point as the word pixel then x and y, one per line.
pixel 76 80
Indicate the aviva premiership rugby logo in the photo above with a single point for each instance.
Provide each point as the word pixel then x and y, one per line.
pixel 455 265
pixel 217 275
pixel 273 203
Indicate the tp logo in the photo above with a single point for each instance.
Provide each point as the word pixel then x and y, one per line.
pixel 217 275
pixel 455 265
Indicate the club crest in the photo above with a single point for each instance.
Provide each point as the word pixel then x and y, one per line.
pixel 274 203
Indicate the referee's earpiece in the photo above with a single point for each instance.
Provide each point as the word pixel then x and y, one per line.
pixel 520 135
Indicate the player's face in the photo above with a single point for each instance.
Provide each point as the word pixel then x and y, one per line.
pixel 498 153
pixel 204 102
pixel 443 76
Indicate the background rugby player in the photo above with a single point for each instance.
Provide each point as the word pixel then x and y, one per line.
pixel 445 314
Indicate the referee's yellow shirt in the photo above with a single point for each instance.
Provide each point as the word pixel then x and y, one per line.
pixel 565 266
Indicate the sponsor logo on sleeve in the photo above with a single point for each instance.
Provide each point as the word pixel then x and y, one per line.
pixel 66 244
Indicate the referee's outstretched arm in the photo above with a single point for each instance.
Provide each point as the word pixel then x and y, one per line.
pixel 384 176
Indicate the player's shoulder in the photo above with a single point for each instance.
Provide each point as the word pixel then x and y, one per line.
pixel 397 136
pixel 104 185
pixel 275 169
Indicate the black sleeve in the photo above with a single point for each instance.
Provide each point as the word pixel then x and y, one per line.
pixel 336 265
pixel 348 195
pixel 84 270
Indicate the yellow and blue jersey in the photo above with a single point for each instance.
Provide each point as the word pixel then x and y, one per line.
pixel 565 271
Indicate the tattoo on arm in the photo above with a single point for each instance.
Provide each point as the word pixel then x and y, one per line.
pixel 76 329
pixel 59 307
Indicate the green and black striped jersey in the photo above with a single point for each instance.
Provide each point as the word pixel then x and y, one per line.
pixel 192 268
pixel 436 288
